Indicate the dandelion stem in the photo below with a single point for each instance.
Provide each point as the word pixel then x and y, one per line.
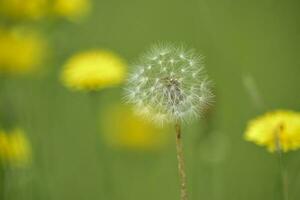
pixel 3 184
pixel 181 163
pixel 102 153
pixel 282 168
pixel 252 89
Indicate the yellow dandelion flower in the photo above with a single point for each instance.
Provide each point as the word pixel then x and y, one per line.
pixel 24 9
pixel 21 51
pixel 71 9
pixel 4 145
pixel 276 128
pixel 93 70
pixel 123 129
pixel 15 149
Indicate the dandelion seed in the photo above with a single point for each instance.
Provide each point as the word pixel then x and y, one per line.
pixel 172 86
pixel 154 58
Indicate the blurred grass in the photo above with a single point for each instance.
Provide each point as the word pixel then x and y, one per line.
pixel 260 38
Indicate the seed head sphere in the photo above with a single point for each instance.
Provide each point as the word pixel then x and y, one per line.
pixel 169 85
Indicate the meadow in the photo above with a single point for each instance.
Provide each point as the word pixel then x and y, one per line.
pixel 78 119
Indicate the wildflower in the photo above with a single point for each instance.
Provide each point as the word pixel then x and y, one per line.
pixel 71 9
pixel 169 84
pixel 93 70
pixel 15 149
pixel 280 127
pixel 24 9
pixel 131 132
pixel 21 51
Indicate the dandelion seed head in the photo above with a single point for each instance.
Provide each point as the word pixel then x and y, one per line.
pixel 174 88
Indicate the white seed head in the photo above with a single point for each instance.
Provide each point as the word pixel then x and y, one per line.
pixel 174 88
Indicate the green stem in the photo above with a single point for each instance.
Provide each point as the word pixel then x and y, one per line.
pixel 282 168
pixel 181 163
pixel 101 149
pixel 5 181
pixel 2 184
pixel 251 88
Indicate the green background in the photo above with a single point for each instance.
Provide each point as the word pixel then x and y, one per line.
pixel 258 39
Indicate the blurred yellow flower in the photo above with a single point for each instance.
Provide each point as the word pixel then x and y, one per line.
pixel 123 129
pixel 93 70
pixel 15 149
pixel 21 51
pixel 71 9
pixel 278 129
pixel 24 9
